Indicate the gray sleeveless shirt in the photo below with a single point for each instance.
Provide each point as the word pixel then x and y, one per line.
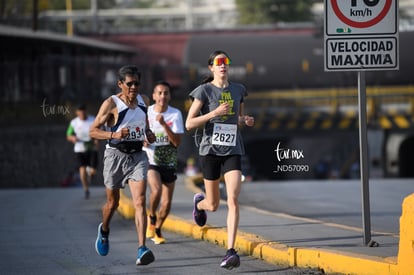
pixel 221 135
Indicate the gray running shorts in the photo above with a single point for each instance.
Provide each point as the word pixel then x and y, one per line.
pixel 119 168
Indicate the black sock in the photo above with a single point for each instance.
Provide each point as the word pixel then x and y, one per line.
pixel 231 251
pixel 104 233
pixel 153 219
pixel 158 232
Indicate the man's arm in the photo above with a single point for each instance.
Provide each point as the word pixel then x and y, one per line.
pixel 105 114
pixel 148 133
pixel 70 134
pixel 174 138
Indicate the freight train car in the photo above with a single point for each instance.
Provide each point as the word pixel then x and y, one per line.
pixel 287 61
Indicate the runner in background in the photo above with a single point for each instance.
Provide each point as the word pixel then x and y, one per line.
pixel 85 148
pixel 166 123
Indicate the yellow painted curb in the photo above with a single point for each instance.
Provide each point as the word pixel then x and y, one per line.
pixel 341 262
pixel 406 245
pixel 126 207
pixel 329 261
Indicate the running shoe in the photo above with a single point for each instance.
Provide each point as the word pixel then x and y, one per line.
pixel 231 260
pixel 200 216
pixel 87 194
pixel 145 256
pixel 158 239
pixel 150 230
pixel 102 242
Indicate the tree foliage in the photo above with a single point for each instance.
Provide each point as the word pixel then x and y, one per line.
pixel 273 11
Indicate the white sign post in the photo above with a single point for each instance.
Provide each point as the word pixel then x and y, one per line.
pixel 361 35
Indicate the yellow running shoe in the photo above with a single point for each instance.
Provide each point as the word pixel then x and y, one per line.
pixel 150 230
pixel 158 240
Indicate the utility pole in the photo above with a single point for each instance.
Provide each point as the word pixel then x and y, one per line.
pixel 34 15
pixel 94 11
pixel 69 22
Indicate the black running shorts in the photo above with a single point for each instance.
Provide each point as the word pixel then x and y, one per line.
pixel 89 158
pixel 167 174
pixel 212 165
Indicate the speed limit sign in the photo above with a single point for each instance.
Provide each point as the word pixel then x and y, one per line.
pixel 361 35
pixel 356 17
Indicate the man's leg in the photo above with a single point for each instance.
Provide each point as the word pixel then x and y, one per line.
pixel 138 193
pixel 84 178
pixel 109 208
pixel 92 173
pixel 167 191
pixel 154 182
pixel 112 202
pixel 138 189
pixel 166 201
pixel 92 165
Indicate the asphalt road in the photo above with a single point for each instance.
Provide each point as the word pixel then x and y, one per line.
pixel 52 231
pixel 336 201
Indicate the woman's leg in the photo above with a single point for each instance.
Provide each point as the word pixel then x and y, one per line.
pixel 212 199
pixel 233 186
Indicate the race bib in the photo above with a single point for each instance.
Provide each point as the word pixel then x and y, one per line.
pixel 161 138
pixel 82 134
pixel 224 134
pixel 136 132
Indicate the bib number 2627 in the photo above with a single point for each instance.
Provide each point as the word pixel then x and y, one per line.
pixel 224 134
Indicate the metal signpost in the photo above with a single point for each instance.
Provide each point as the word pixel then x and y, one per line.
pixel 361 35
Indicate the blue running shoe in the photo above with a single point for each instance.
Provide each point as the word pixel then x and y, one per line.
pixel 102 242
pixel 231 260
pixel 145 256
pixel 199 216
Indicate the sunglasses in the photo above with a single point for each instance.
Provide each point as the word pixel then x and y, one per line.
pixel 129 84
pixel 221 60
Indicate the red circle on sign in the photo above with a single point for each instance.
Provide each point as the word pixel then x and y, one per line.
pixel 357 24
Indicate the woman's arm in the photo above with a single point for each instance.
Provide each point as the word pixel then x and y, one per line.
pixel 195 120
pixel 245 119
